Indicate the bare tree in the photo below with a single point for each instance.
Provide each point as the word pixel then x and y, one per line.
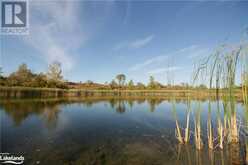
pixel 55 72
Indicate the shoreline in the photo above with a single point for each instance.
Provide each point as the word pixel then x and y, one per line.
pixel 29 92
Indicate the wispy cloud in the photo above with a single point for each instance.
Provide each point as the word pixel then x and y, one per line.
pixel 189 52
pixel 163 70
pixel 189 49
pixel 148 62
pixel 141 42
pixel 138 43
pixel 53 32
pixel 199 53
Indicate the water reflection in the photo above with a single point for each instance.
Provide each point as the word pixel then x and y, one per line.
pixel 188 155
pixel 119 105
pixel 92 131
pixel 21 109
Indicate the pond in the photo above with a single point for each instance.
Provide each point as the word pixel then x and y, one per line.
pixel 109 131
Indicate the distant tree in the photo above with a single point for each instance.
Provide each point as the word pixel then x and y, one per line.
pixel 151 83
pixel 1 72
pixel 151 79
pixel 202 86
pixel 2 79
pixel 89 82
pixel 158 85
pixel 121 78
pixel 23 72
pixel 154 84
pixel 54 76
pixel 140 85
pixel 130 84
pixel 40 80
pixel 184 85
pixel 113 84
pixel 55 72
pixel 22 77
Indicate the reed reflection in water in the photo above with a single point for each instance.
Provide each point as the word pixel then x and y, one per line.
pixel 113 131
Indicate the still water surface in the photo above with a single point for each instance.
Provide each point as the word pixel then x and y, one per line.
pixel 106 131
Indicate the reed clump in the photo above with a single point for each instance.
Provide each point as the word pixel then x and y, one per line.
pixel 179 131
pixel 220 70
pixel 210 129
pixel 220 129
pixel 187 129
pixel 244 79
pixel 197 121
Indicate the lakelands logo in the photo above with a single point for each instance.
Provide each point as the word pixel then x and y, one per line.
pixel 14 14
pixel 7 158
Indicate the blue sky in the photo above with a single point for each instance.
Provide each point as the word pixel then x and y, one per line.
pixel 97 40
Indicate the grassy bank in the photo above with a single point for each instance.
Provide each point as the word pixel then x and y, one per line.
pixel 27 92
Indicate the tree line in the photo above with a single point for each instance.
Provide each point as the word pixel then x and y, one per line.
pixel 23 76
pixel 53 78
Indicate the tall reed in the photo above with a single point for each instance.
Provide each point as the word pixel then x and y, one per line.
pixel 210 128
pixel 187 129
pixel 221 67
pixel 220 127
pixel 244 78
pixel 178 133
pixel 197 121
pixel 226 122
pixel 246 130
